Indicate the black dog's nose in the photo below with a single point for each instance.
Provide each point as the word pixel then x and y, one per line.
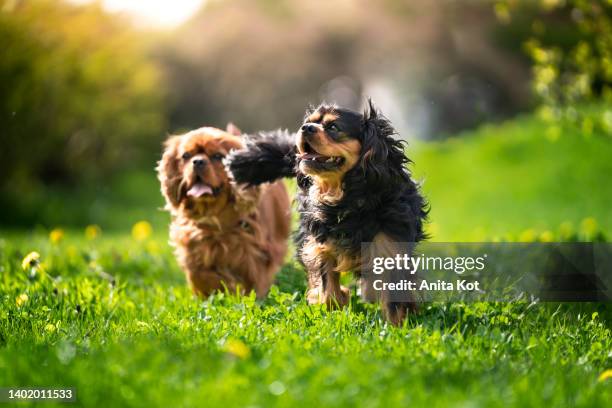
pixel 309 128
pixel 199 163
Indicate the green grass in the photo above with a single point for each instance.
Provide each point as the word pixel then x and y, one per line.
pixel 114 204
pixel 505 179
pixel 113 318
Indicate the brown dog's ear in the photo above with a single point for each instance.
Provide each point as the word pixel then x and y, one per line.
pixel 231 142
pixel 233 129
pixel 168 172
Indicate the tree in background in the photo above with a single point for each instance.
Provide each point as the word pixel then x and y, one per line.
pixel 570 45
pixel 79 96
pixel 430 65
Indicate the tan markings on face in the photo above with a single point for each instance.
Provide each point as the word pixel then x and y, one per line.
pixel 328 185
pixel 314 117
pixel 329 117
pixel 348 149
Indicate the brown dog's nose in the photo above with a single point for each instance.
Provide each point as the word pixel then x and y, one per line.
pixel 199 163
pixel 309 128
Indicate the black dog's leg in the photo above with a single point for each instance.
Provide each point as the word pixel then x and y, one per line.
pixel 267 157
pixel 324 287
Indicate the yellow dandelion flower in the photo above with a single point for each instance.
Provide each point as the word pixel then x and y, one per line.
pixel 31 260
pixel 528 235
pixel 237 348
pixel 141 230
pixel 56 235
pixel 50 328
pixel 92 232
pixel 589 226
pixel 547 236
pixel 21 299
pixel 605 375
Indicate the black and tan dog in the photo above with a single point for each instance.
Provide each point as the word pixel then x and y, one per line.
pixel 353 188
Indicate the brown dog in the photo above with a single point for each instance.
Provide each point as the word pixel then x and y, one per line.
pixel 224 235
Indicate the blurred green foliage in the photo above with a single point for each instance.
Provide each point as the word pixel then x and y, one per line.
pixel 525 177
pixel 86 98
pixel 79 100
pixel 495 182
pixel 569 43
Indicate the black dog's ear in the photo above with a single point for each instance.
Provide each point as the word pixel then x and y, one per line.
pixel 382 156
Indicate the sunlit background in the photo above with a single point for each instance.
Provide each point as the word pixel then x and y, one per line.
pixel 154 13
pixel 90 89
pixel 506 107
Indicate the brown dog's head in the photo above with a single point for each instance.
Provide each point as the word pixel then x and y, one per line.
pixel 191 171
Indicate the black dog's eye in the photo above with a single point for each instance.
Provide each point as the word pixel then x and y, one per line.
pixel 186 156
pixel 217 157
pixel 333 127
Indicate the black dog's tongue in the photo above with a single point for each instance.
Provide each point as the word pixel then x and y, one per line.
pixel 198 190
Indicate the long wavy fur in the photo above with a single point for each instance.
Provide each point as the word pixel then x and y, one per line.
pixel 379 195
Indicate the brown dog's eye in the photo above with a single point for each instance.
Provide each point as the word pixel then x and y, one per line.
pixel 217 157
pixel 186 156
pixel 333 127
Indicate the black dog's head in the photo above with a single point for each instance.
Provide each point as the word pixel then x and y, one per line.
pixel 333 141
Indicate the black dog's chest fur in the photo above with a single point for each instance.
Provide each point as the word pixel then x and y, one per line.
pixel 339 224
pixel 362 213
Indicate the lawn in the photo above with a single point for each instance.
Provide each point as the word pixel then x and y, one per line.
pixel 108 312
pixel 112 318
pixel 505 180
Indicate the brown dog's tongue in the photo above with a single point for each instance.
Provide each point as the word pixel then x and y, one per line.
pixel 198 190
